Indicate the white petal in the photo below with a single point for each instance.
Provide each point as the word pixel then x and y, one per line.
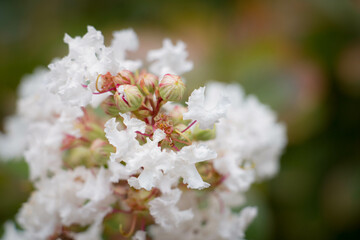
pixel 165 211
pixel 170 59
pixel 199 110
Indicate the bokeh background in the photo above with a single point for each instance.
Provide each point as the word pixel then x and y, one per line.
pixel 301 57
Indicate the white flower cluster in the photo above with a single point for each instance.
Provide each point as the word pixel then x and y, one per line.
pixel 137 159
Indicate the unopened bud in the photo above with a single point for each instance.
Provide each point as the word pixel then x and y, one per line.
pixel 203 135
pixel 148 82
pixel 110 107
pixel 124 77
pixel 171 88
pixel 78 156
pixel 128 98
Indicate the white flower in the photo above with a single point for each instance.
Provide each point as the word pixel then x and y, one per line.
pixel 119 171
pixel 124 140
pixel 54 125
pixel 69 197
pixel 152 163
pixel 88 57
pixel 169 59
pixel 125 143
pixel 41 119
pixel 87 47
pixel 125 40
pixel 214 222
pixel 238 178
pixel 249 140
pixel 165 211
pixel 96 189
pixel 38 128
pixel 200 110
pixel 152 160
pixel 185 164
pixel 73 77
pixel 69 79
pixel 164 166
pixel 35 218
pixel 233 226
pixel 43 154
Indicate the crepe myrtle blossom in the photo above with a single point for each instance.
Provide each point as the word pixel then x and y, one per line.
pixel 112 151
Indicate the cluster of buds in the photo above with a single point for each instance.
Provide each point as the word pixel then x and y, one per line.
pixel 133 90
pixel 143 95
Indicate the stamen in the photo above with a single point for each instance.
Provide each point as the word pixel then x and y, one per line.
pixel 176 148
pixel 153 192
pixel 144 134
pixel 181 134
pixel 179 141
pixel 188 126
pixel 131 230
pixel 96 83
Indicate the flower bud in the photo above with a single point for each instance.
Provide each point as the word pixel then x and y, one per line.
pixel 128 98
pixel 78 156
pixel 148 82
pixel 110 107
pixel 124 77
pixel 199 134
pixel 171 88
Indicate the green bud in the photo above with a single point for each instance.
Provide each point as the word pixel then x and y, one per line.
pixel 147 82
pixel 128 98
pixel 124 77
pixel 78 156
pixel 199 134
pixel 109 106
pixel 171 88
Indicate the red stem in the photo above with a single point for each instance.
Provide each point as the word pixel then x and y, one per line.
pixel 144 134
pixel 188 126
pixel 111 89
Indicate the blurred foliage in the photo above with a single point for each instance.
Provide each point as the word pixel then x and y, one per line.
pixel 300 57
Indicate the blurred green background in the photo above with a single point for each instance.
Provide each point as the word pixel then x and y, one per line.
pixel 300 57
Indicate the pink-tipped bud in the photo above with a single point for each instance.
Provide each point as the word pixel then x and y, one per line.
pixel 171 88
pixel 128 98
pixel 124 77
pixel 148 82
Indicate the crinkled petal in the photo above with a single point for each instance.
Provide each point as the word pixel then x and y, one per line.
pixel 165 211
pixel 170 59
pixel 199 110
